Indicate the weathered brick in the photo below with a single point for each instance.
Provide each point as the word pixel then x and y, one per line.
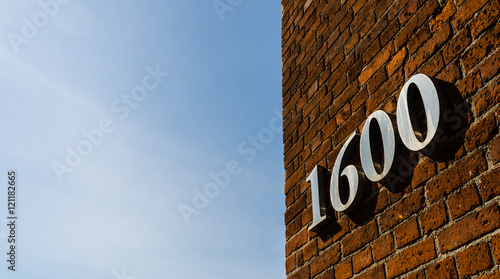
pixel 456 175
pixel 443 17
pixel 437 40
pixel 328 274
pixel 495 247
pixel 392 85
pixel 383 246
pixel 433 66
pixel 492 275
pixel 302 273
pixel 362 259
pixel 359 238
pixel 456 45
pixel 311 249
pixel 487 98
pixel 290 263
pixel 408 11
pixel 417 275
pixel 466 12
pixel 470 83
pixel 489 185
pixel 406 233
pixel 423 171
pixel 474 260
pixel 294 209
pixel 402 210
pixel 490 67
pixel 325 260
pixel 296 241
pixel 450 74
pixel 376 272
pixel 480 132
pixel 343 270
pixel 469 228
pixel 494 149
pixel 415 22
pixel 418 39
pixel 348 127
pixel 485 19
pixel 410 258
pixel 396 61
pixel 481 48
pixel 382 57
pixel 293 227
pixel 433 218
pixel 444 269
pixel 463 201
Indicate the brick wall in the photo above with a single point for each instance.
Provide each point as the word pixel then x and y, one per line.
pixel 344 59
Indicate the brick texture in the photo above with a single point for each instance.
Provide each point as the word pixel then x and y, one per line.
pixel 438 216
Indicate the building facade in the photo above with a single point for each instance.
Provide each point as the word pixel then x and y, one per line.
pixel 402 95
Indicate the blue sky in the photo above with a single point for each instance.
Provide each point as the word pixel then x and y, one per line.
pixel 146 138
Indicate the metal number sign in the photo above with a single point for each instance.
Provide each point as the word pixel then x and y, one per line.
pixel 347 181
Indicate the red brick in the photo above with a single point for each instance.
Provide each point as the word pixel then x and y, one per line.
pixel 487 98
pixel 456 45
pixel 376 272
pixel 418 39
pixel 396 61
pixel 342 229
pixel 485 19
pixel 481 48
pixel 325 260
pixel 474 260
pixel 382 57
pixel 410 258
pixel 467 11
pixel 343 270
pixel 450 74
pixel 290 263
pixel 328 274
pixel 494 149
pixel 417 275
pixel 463 201
pixel 377 79
pixel 415 22
pixel 433 66
pixel 296 241
pixel 437 40
pixel 490 67
pixel 443 17
pixel 480 132
pixel 362 259
pixel 433 218
pixel 310 250
pixel 489 185
pixel 493 275
pixel 359 99
pixel 302 273
pixel 293 227
pixel 294 209
pixel 469 228
pixel 408 12
pixel 383 246
pixel 423 171
pixel 402 210
pixel 349 126
pixel 392 85
pixel 406 233
pixel 495 247
pixel 456 175
pixel 470 83
pixel 359 238
pixel 444 269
